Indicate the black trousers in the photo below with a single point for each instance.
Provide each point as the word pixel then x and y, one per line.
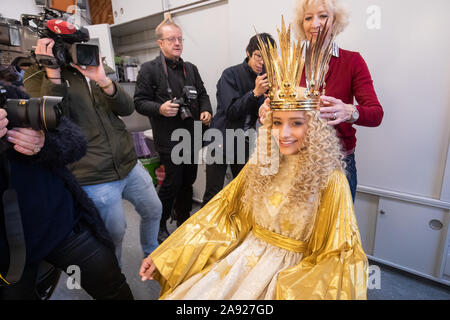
pixel 176 190
pixel 215 173
pixel 351 174
pixel 100 274
pixel 215 178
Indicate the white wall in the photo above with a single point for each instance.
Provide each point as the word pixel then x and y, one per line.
pixel 216 35
pixel 13 9
pixel 408 59
pixel 260 15
pixel 206 31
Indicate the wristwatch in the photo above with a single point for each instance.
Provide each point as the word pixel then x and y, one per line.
pixel 355 115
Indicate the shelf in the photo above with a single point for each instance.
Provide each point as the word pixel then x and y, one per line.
pixel 136 26
pixel 126 49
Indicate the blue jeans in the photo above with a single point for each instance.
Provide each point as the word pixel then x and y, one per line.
pixel 137 188
pixel 351 173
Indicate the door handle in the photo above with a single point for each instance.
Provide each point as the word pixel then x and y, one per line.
pixel 436 225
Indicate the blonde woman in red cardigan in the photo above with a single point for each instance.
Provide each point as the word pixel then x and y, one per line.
pixel 348 78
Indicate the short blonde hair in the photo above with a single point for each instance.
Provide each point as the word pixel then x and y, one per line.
pixel 168 22
pixel 336 7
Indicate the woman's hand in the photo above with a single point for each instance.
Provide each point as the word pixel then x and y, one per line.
pixel 147 269
pixel 26 141
pixel 265 107
pixel 335 110
pixel 3 123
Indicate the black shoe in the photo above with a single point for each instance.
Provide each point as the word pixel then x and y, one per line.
pixel 162 236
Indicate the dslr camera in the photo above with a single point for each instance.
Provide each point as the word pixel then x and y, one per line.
pixel 36 113
pixel 185 102
pixel 18 39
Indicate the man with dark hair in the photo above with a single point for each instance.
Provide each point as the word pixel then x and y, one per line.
pixel 160 83
pixel 240 92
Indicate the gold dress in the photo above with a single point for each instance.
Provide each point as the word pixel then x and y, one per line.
pixel 269 250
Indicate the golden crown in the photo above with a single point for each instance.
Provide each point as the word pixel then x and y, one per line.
pixel 285 69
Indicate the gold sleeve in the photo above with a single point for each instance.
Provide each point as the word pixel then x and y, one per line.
pixel 335 265
pixel 206 237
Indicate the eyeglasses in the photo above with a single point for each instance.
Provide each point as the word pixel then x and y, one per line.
pixel 174 39
pixel 257 56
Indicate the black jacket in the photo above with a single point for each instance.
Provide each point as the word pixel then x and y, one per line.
pixel 235 99
pixel 50 199
pixel 110 155
pixel 151 93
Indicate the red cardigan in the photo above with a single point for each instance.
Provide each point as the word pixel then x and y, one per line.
pixel 348 77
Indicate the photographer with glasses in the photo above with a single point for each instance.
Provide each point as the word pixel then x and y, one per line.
pixel 240 92
pixel 171 93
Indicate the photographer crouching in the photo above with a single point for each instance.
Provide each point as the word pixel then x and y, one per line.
pixel 60 224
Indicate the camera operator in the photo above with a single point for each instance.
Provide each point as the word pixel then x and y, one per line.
pixel 161 82
pixel 60 223
pixel 110 170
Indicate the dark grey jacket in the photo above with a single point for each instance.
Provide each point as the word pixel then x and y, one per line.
pixel 110 150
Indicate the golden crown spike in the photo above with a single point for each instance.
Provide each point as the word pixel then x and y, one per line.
pixel 285 69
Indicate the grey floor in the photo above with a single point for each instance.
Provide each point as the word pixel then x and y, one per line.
pixel 394 284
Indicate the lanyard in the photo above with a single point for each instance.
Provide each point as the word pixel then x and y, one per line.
pixel 166 72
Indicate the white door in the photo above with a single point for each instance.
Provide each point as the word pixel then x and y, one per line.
pixel 366 211
pixel 411 235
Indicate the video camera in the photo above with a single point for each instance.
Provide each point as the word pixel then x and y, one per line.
pixel 18 39
pixel 185 102
pixel 36 113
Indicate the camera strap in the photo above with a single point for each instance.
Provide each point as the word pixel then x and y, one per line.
pixel 14 233
pixel 166 72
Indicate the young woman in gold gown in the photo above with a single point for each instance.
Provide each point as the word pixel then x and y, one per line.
pixel 288 235
pixel 285 228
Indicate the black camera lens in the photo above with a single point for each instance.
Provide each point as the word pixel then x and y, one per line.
pixel 85 54
pixel 36 113
pixel 185 113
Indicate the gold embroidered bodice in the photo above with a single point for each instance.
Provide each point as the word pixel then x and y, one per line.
pixel 277 214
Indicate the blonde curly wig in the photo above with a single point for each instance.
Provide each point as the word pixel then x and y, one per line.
pixel 336 7
pixel 320 155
